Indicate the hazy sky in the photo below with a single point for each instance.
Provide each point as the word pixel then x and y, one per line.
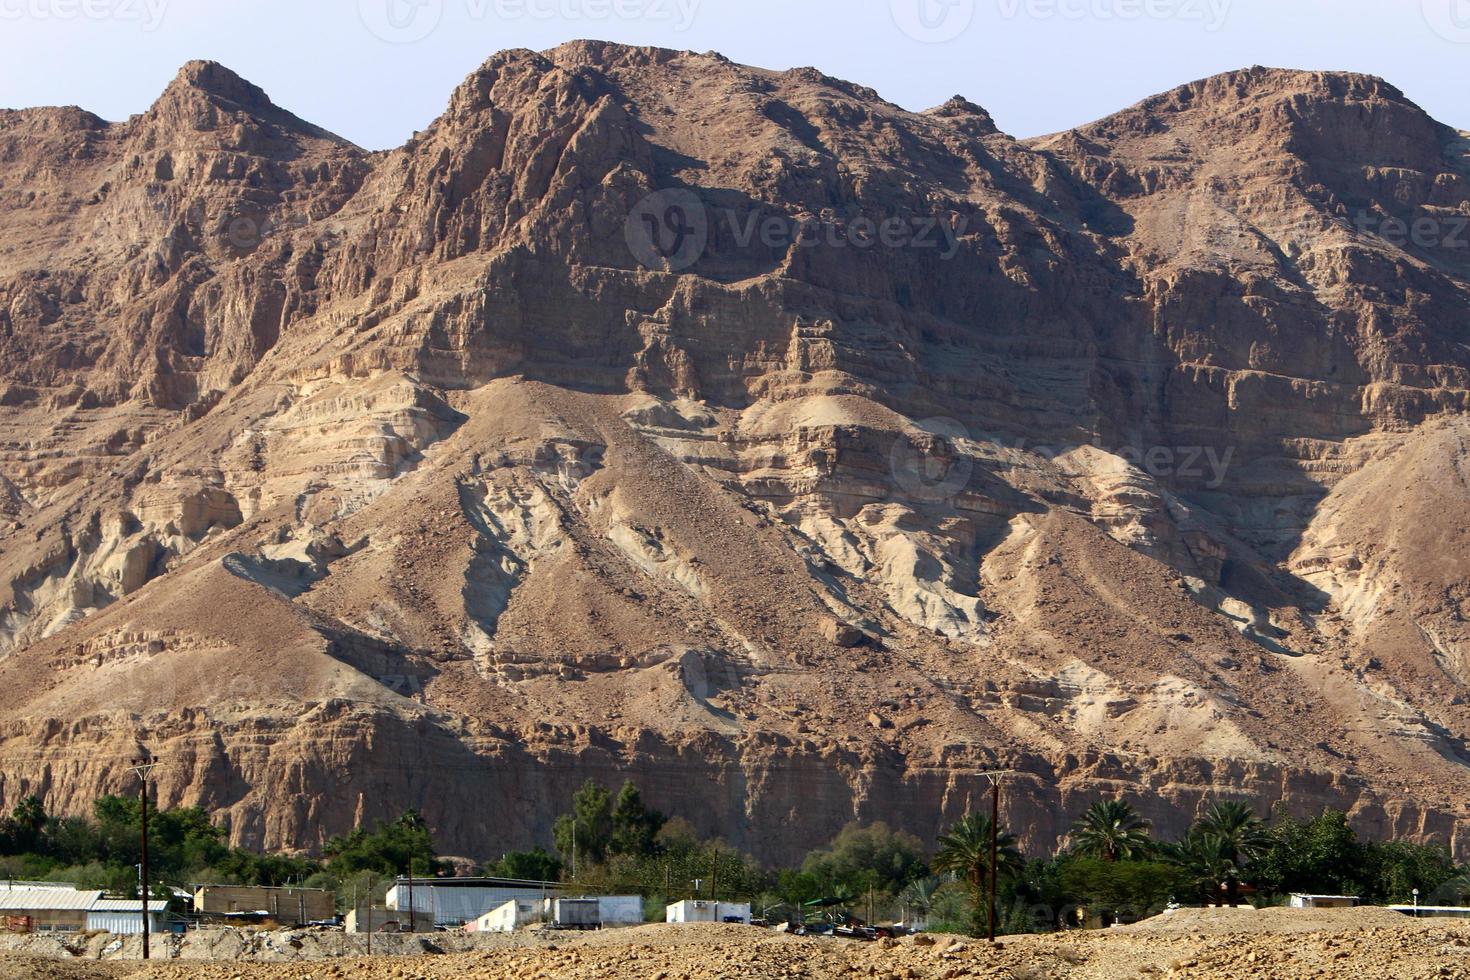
pixel 375 70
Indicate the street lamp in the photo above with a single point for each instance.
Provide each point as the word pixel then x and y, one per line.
pixel 1416 903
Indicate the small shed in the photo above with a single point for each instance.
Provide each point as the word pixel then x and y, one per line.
pixel 124 917
pixel 32 909
pixel 1300 901
pixel 708 911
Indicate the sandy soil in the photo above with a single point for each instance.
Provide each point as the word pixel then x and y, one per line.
pixel 1356 944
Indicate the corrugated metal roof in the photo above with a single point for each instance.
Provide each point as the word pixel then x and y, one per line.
pixel 46 899
pixel 126 905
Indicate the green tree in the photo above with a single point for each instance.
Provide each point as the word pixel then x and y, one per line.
pixel 1321 856
pixel 1219 848
pixel 534 865
pixel 864 858
pixel 634 827
pixel 1393 869
pixel 964 851
pixel 403 846
pixel 27 823
pixel 1111 830
pixel 1130 890
pixel 586 832
pixel 1241 835
pixel 918 897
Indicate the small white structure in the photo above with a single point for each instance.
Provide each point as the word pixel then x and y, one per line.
pixel 601 912
pixel 515 914
pixel 697 911
pixel 124 916
pixel 1299 901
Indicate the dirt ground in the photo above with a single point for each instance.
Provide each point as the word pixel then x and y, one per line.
pixel 1364 944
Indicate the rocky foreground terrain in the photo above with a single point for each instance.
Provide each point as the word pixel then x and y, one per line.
pixel 1359 944
pixel 796 455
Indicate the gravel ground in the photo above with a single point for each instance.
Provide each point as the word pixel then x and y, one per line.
pixel 1355 944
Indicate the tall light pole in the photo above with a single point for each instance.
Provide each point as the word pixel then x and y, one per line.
pixel 143 766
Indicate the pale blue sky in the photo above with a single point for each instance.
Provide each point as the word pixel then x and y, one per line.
pixel 1037 65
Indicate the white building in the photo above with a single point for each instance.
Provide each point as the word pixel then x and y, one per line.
pixel 123 916
pixel 455 901
pixel 515 914
pixel 1297 901
pixel 697 911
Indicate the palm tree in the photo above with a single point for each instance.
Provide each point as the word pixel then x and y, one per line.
pixel 965 852
pixel 1111 830
pixel 918 897
pixel 1241 834
pixel 1218 848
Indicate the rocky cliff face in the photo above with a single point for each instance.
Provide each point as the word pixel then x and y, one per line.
pixel 737 431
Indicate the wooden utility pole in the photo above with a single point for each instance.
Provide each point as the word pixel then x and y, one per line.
pixel 143 766
pixel 994 849
pixel 412 922
pixel 372 887
pixel 995 777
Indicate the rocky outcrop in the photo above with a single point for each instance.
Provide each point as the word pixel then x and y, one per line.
pixel 737 431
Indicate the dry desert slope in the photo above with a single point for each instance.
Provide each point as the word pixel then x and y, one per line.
pixel 875 447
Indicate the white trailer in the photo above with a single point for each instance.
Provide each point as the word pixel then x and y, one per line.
pixel 704 911
pixel 601 912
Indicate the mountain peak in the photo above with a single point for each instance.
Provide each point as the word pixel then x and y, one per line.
pixel 210 78
pixel 206 95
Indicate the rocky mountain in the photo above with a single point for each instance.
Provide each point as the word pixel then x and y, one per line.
pixel 742 433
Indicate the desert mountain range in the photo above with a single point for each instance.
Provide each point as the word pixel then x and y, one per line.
pixel 742 433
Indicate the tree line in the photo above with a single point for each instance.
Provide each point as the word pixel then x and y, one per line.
pixel 1111 867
